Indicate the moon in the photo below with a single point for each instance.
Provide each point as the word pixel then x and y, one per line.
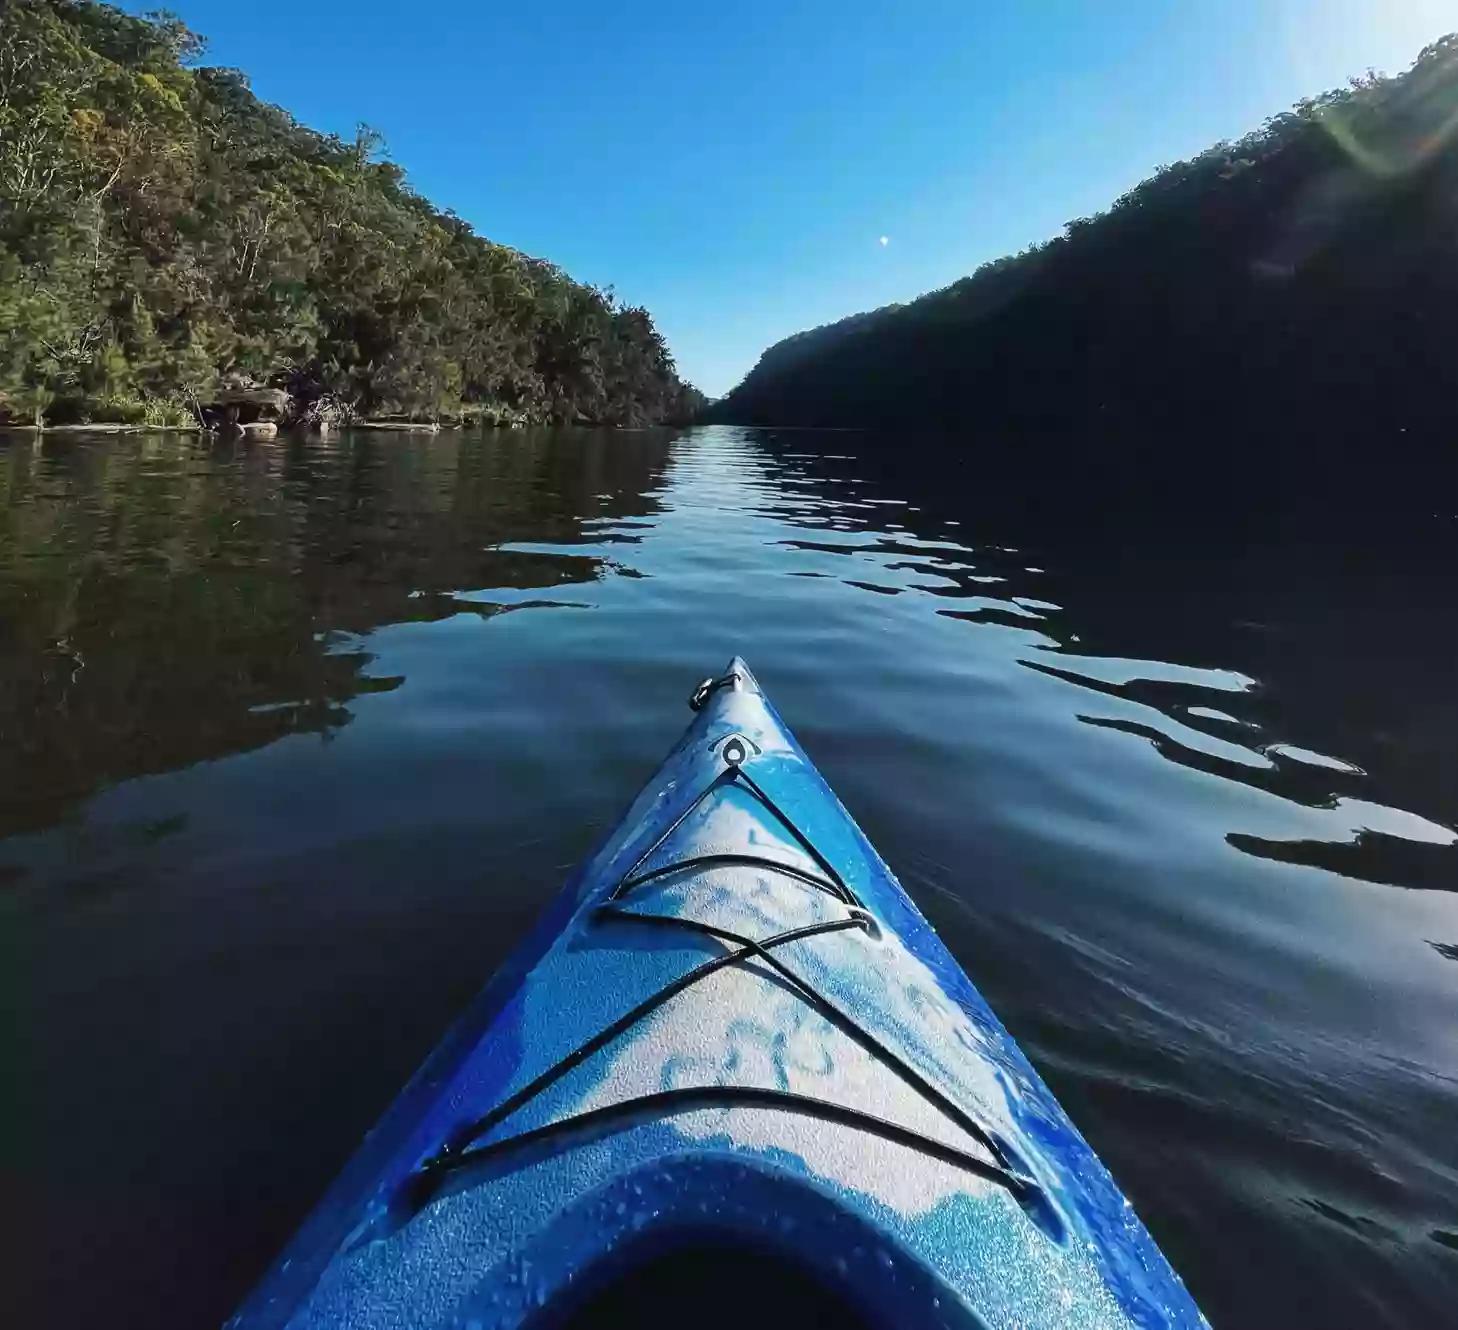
pixel 885 240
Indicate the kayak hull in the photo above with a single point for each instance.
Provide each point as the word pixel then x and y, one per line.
pixel 731 1029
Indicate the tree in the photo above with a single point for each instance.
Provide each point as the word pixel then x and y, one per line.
pixel 160 227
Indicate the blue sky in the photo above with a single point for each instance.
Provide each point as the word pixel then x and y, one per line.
pixel 733 165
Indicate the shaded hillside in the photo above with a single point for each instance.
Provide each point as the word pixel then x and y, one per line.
pixel 1303 279
pixel 160 227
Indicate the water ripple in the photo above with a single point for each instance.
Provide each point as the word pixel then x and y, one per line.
pixel 299 738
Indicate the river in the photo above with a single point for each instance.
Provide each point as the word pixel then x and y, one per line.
pixel 296 739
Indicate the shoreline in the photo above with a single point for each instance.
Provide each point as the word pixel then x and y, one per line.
pixel 112 428
pixel 108 427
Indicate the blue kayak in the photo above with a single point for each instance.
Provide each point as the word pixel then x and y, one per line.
pixel 732 1078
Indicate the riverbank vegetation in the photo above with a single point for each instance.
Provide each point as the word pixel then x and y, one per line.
pixel 162 230
pixel 1299 284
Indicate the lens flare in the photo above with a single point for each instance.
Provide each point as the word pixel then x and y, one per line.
pixel 1414 130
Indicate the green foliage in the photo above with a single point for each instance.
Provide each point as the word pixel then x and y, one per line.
pixel 160 227
pixel 1302 282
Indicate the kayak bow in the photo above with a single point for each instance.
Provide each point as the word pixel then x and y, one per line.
pixel 733 1061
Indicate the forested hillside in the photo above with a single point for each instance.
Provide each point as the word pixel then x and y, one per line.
pixel 1302 282
pixel 162 229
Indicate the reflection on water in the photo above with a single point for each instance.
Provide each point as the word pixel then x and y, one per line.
pixel 165 602
pixel 282 780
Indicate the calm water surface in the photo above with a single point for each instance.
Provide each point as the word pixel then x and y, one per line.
pixel 297 739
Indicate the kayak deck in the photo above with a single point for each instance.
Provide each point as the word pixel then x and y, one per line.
pixel 735 1033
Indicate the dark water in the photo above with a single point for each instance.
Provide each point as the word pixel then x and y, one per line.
pixel 295 740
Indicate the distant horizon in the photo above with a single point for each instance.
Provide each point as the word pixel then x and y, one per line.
pixel 748 176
